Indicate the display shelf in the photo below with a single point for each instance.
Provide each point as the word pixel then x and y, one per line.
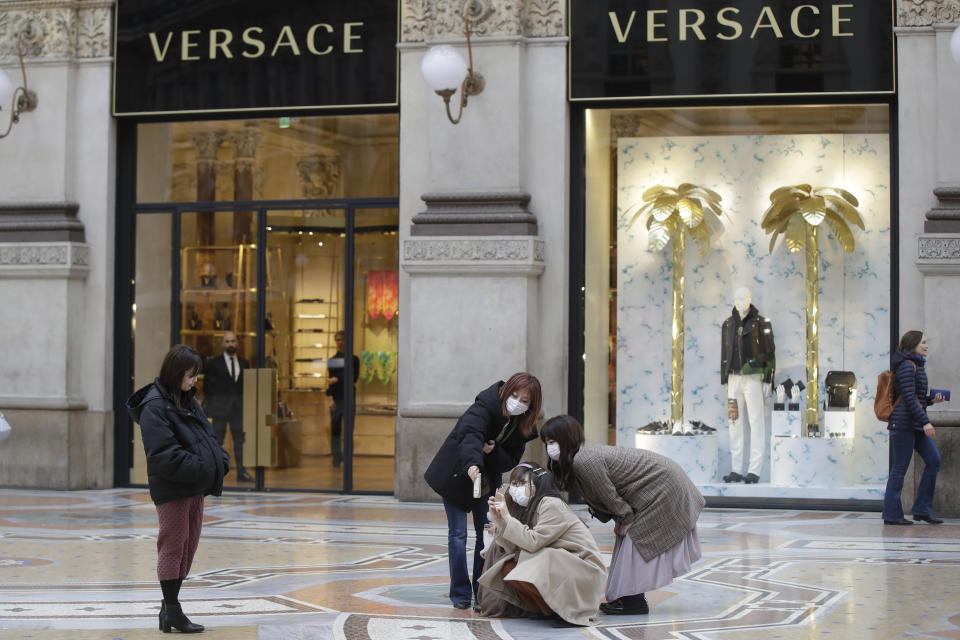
pixel 697 455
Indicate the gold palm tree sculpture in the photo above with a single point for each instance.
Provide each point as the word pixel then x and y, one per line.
pixel 697 211
pixel 797 212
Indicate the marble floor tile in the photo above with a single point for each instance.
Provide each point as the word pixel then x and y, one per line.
pixel 82 565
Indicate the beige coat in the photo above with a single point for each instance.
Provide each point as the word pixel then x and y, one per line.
pixel 640 487
pixel 558 555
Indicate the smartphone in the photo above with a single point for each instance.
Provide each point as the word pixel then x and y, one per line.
pixel 944 392
pixel 476 487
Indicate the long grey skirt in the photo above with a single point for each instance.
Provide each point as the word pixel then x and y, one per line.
pixel 630 574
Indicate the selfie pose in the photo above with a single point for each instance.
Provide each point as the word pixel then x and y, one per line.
pixel 552 566
pixel 487 441
pixel 652 502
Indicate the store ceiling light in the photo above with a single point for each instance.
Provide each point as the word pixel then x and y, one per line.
pixel 15 100
pixel 445 71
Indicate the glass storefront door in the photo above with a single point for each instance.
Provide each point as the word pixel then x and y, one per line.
pixel 270 238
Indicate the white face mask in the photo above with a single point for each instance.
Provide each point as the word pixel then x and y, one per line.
pixel 515 407
pixel 553 451
pixel 519 495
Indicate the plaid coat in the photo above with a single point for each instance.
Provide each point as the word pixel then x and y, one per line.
pixel 640 487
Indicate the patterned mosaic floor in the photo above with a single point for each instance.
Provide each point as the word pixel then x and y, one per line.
pixel 79 565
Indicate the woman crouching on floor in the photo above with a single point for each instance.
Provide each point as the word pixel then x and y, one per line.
pixel 552 567
pixel 652 502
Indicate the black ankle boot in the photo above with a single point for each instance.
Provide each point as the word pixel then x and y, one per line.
pixel 173 616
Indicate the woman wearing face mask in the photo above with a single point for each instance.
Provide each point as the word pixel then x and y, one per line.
pixel 184 463
pixel 487 441
pixel 652 501
pixel 552 567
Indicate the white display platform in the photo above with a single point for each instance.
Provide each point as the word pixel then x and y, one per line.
pixel 696 454
pixel 786 423
pixel 812 462
pixel 839 422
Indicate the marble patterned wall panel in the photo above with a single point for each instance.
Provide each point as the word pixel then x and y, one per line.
pixel 854 288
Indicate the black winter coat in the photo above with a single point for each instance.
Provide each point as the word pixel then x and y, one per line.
pixel 463 448
pixel 746 346
pixel 184 458
pixel 910 388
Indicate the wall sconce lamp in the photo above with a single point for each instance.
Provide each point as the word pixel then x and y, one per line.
pixel 445 71
pixel 19 99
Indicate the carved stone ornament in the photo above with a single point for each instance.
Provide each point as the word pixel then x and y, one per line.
pixel 207 144
pixel 245 141
pixel 56 29
pixel 475 256
pixel 67 260
pixel 922 13
pixel 319 176
pixel 939 248
pixel 424 20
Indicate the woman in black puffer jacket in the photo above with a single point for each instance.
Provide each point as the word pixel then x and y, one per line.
pixel 910 429
pixel 184 463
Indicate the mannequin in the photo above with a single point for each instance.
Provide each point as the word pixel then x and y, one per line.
pixel 747 366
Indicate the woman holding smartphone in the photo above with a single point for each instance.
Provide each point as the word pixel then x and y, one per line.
pixel 487 441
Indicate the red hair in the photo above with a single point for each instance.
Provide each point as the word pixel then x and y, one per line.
pixel 519 382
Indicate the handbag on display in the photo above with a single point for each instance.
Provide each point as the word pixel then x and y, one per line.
pixel 841 387
pixel 4 428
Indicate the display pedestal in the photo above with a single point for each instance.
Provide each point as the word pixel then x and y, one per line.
pixel 786 423
pixel 840 423
pixel 811 462
pixel 697 455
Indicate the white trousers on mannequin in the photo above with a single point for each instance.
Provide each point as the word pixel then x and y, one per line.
pixel 747 390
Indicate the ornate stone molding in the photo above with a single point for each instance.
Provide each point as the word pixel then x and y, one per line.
pixel 945 217
pixel 475 214
pixel 319 175
pixel 938 254
pixel 40 222
pixel 66 260
pixel 474 255
pixel 424 20
pixel 208 144
pixel 76 30
pixel 921 13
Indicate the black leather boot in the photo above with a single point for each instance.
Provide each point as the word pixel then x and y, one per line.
pixel 242 474
pixel 174 617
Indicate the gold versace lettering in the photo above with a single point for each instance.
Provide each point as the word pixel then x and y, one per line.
pixel 257 44
pixel 835 14
pixel 186 45
pixel 159 53
pixel 724 23
pixel 348 37
pixel 286 39
pixel 311 39
pixel 223 45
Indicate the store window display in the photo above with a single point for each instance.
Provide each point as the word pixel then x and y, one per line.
pixel 747 363
pixel 744 154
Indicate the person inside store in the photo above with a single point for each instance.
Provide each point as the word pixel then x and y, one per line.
pixel 223 398
pixel 488 440
pixel 911 430
pixel 185 462
pixel 335 400
pixel 653 503
pixel 550 566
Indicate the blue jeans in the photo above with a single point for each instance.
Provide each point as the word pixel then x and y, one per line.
pixel 902 444
pixel 461 589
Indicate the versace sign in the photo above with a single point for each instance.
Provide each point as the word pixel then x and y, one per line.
pixel 628 49
pixel 194 56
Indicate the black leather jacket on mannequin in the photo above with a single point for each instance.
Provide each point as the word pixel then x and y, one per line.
pixel 746 346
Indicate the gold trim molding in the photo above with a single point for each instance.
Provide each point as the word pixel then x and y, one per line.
pixel 923 13
pixel 74 30
pixel 424 20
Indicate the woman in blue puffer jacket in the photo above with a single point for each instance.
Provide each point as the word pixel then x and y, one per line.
pixel 910 429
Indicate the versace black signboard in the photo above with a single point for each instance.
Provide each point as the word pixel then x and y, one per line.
pixel 196 56
pixel 630 49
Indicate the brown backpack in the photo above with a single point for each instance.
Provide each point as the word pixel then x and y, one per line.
pixel 883 403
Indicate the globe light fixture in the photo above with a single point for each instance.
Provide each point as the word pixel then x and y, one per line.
pixel 445 70
pixel 15 100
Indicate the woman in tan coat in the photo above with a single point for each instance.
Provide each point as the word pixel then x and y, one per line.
pixel 552 566
pixel 649 498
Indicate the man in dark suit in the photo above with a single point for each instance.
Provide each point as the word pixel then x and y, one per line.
pixel 223 398
pixel 335 371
